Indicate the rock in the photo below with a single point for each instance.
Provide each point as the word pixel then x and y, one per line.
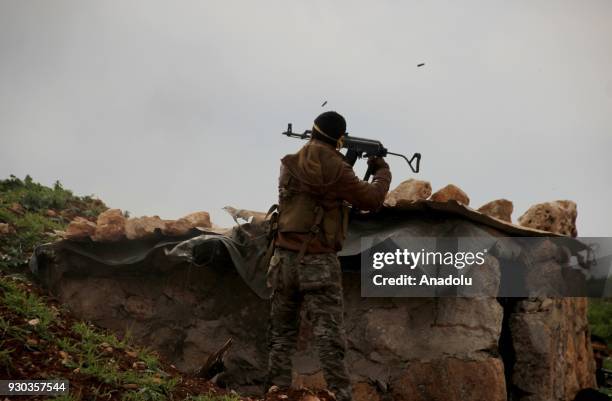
pixel 183 225
pixel 198 219
pixel 51 213
pixel 5 229
pixel 451 379
pixel 450 192
pixel 461 327
pixel 310 397
pixel 176 228
pixel 500 209
pixel 17 208
pixel 309 380
pixel 408 191
pixel 110 226
pixel 80 228
pixel 143 227
pixel 365 392
pixel 552 347
pixel 557 217
pixel 139 307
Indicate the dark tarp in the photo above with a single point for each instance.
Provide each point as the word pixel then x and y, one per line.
pixel 247 243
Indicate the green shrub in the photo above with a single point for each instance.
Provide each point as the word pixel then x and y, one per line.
pixel 600 318
pixel 34 225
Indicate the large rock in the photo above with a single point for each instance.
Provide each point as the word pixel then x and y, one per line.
pixel 552 346
pixel 408 191
pixel 451 379
pixel 451 192
pixel 110 226
pixel 80 228
pixel 500 209
pixel 557 217
pixel 143 227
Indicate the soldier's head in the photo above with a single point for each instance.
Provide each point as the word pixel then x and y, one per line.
pixel 329 127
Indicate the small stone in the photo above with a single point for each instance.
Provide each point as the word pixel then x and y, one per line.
pixel 273 389
pixel 556 217
pixel 176 228
pixel 110 226
pixel 184 225
pixel 130 386
pixel 33 322
pixel 143 227
pixel 199 219
pixel 5 229
pixel 407 192
pixel 451 192
pixel 17 208
pixel 500 209
pixel 131 354
pixel 31 341
pixel 139 365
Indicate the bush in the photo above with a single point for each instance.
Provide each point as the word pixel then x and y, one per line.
pixel 34 224
pixel 600 318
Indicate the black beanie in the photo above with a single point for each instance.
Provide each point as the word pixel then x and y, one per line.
pixel 332 124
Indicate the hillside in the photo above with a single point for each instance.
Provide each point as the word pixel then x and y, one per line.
pixel 39 338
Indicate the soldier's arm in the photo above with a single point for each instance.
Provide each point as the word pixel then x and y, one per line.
pixel 364 195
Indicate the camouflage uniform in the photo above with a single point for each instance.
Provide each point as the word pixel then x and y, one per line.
pixel 316 286
pixel 316 185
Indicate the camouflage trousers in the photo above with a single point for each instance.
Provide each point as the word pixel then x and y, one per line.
pixel 316 287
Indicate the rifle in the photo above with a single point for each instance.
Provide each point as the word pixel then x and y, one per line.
pixel 357 148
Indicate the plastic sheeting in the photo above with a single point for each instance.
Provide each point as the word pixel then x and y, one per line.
pixel 247 243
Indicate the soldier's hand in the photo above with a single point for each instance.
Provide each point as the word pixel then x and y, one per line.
pixel 376 163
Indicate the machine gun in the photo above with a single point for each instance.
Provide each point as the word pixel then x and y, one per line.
pixel 361 147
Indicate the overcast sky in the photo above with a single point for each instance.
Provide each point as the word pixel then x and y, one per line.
pixel 172 107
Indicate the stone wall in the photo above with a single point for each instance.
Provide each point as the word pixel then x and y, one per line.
pixel 399 348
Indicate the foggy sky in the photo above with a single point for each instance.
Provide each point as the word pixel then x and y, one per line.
pixel 171 107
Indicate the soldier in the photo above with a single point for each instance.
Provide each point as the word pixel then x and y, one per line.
pixel 316 185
